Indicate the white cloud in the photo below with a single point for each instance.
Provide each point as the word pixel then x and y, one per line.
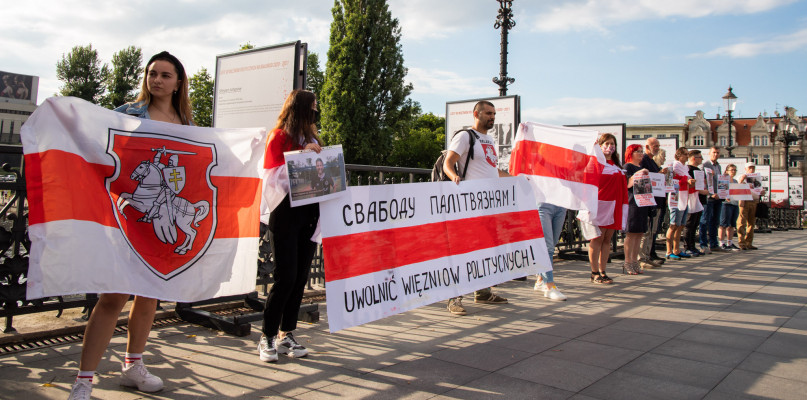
pixel 427 19
pixel 572 111
pixel 598 15
pixel 448 83
pixel 777 45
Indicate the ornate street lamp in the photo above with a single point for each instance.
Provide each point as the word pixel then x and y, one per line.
pixel 504 21
pixel 791 130
pixel 729 101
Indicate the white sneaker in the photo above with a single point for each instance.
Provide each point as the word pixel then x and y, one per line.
pixel 540 285
pixel 136 375
pixel 706 250
pixel 266 349
pixel 81 390
pixel 290 347
pixel 554 294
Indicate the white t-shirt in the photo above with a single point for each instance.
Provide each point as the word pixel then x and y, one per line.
pixel 485 162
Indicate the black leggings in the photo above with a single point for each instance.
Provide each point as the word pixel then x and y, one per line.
pixel 290 231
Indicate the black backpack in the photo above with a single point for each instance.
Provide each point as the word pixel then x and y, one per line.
pixel 437 171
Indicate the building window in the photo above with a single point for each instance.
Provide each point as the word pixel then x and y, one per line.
pixel 766 159
pixel 697 140
pixel 756 140
pixel 755 159
pixel 662 136
pixel 765 140
pixel 648 136
pixel 12 128
pixel 636 136
pixel 793 164
pixel 723 141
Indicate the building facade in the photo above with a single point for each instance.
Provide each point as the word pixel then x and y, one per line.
pixel 17 102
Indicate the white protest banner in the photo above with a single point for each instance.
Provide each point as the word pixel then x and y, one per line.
pixel 120 204
pixel 723 186
pixel 710 181
pixel 754 182
pixel 643 191
pixel 740 191
pixel 700 183
pixel 796 184
pixel 779 190
pixel 658 182
pixel 392 248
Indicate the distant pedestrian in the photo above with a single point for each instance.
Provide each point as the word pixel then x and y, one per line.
pixel 729 213
pixel 748 214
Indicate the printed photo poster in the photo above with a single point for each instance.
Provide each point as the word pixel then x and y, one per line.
pixel 764 172
pixel 659 184
pixel 672 198
pixel 670 185
pixel 643 191
pixel 754 183
pixel 700 180
pixel 460 115
pixel 779 191
pixel 723 182
pixel 710 181
pixel 315 178
pixel 796 184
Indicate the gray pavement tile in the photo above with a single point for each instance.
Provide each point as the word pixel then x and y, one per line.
pixel 531 342
pixel 429 374
pixel 365 387
pixel 562 374
pixel 782 367
pixel 785 344
pixel 501 386
pixel 652 327
pixel 688 372
pixel 718 395
pixel 764 308
pixel 484 356
pixel 27 357
pixel 288 379
pixel 563 328
pixel 709 353
pixel 707 334
pixel 617 385
pixel 762 386
pixel 599 355
pixel 760 325
pixel 625 339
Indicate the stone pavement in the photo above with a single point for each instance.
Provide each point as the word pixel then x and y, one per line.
pixel 723 326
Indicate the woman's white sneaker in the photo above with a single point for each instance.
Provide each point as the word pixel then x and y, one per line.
pixel 81 390
pixel 136 375
pixel 554 294
pixel 290 347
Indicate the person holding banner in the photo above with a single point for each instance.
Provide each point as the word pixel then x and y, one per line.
pixel 637 216
pixel 679 207
pixel 612 213
pixel 748 214
pixel 290 229
pixel 694 217
pixel 728 215
pixel 483 165
pixel 711 210
pixel 163 97
pixel 647 250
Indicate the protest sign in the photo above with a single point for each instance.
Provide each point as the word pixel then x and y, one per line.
pixel 723 186
pixel 669 179
pixel 764 172
pixel 796 192
pixel 120 204
pixel 643 191
pixel 315 177
pixel 672 197
pixel 392 248
pixel 779 191
pixel 658 182
pixel 710 181
pixel 740 192
pixel 700 181
pixel 754 182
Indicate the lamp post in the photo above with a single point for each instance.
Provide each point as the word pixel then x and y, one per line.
pixel 791 130
pixel 729 101
pixel 504 21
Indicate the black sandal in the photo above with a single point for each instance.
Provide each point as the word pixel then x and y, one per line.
pixel 596 278
pixel 605 278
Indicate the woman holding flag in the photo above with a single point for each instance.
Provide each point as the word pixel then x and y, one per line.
pixel 290 229
pixel 163 97
pixel 678 205
pixel 611 215
pixel 637 216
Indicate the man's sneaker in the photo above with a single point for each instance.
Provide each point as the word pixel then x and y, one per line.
pixel 290 347
pixel 554 294
pixel 136 375
pixel 81 390
pixel 647 264
pixel 725 247
pixel 752 247
pixel 490 299
pixel 684 254
pixel 717 248
pixel 705 250
pixel 734 247
pixel 455 306
pixel 266 349
pixel 656 259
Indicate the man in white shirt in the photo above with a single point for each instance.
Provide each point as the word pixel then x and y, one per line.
pixel 483 164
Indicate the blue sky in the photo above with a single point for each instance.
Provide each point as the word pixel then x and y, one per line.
pixel 574 61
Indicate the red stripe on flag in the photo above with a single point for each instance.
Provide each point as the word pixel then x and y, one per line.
pixel 64 186
pixel 542 159
pixel 777 191
pixel 740 191
pixel 363 253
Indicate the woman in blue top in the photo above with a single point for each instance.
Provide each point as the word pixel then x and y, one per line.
pixel 163 97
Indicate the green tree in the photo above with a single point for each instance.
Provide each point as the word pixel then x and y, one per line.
pixel 246 46
pixel 124 79
pixel 364 92
pixel 315 78
pixel 420 144
pixel 82 73
pixel 201 94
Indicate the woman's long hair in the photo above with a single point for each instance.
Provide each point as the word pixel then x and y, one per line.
pixel 629 152
pixel 297 117
pixel 180 99
pixel 615 155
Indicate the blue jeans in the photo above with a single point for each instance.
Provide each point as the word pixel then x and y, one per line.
pixel 552 218
pixel 709 223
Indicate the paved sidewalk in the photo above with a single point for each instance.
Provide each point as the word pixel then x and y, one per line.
pixel 723 326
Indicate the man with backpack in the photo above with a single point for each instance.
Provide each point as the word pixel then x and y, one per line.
pixel 473 153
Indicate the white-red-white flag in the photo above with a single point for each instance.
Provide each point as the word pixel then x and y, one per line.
pixel 740 192
pixel 119 204
pixel 562 164
pixel 392 248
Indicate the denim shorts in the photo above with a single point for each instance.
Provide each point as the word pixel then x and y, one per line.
pixel 728 215
pixel 678 217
